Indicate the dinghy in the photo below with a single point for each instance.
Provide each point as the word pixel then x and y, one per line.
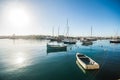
pixel 86 62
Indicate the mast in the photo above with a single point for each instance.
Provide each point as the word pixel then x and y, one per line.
pixel 67 34
pixel 58 30
pixel 53 31
pixel 116 33
pixel 91 31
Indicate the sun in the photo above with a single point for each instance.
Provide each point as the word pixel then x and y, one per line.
pixel 18 18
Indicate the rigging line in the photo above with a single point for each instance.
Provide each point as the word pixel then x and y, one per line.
pixel 105 56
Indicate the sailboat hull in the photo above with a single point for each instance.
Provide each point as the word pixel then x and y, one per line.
pixel 69 42
pixel 115 41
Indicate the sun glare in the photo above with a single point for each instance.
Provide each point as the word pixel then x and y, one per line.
pixel 17 17
pixel 20 60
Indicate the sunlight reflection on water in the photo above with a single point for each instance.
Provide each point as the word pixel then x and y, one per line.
pixel 16 61
pixel 20 58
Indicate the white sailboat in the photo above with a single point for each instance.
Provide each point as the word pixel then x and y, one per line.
pixel 91 38
pixel 115 39
pixel 53 38
pixel 68 40
pixel 88 41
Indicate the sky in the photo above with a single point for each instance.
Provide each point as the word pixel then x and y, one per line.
pixel 39 17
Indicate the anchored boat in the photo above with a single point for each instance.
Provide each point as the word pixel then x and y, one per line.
pixel 68 41
pixel 86 43
pixel 56 46
pixel 86 62
pixel 115 41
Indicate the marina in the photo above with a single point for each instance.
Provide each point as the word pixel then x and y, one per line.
pixel 59 40
pixel 28 59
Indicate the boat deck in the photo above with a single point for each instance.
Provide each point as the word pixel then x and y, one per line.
pixel 81 55
pixel 86 60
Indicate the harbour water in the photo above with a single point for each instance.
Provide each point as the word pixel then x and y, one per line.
pixel 29 60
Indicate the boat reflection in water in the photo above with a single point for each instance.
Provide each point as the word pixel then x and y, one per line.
pixel 54 50
pixel 89 73
pixel 80 67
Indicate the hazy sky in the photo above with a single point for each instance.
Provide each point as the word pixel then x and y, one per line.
pixel 24 17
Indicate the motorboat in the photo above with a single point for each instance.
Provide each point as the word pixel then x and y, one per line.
pixel 56 46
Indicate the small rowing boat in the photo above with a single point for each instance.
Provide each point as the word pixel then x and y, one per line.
pixel 86 62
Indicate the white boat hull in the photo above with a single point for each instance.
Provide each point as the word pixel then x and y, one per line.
pixel 91 66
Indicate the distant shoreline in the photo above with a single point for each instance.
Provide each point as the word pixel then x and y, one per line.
pixel 47 37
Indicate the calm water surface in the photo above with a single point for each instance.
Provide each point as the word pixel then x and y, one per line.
pixel 29 60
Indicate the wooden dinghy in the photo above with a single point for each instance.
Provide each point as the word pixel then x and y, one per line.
pixel 86 62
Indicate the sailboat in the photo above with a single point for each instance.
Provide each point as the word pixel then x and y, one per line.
pixel 88 41
pixel 91 38
pixel 115 40
pixel 53 38
pixel 68 40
